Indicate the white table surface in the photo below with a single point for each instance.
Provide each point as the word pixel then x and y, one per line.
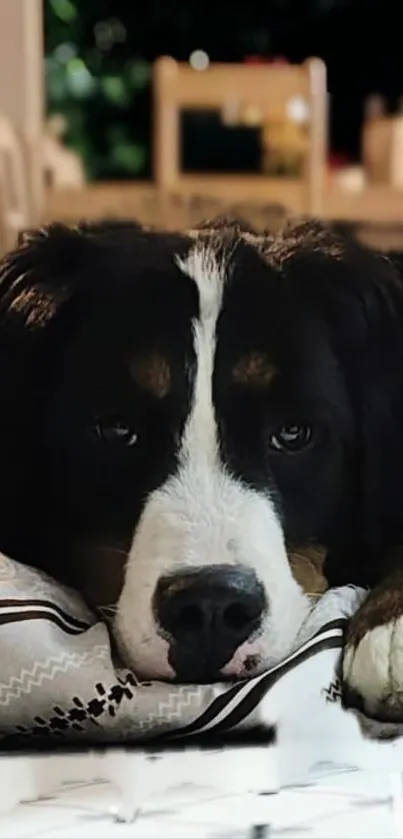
pixel 334 801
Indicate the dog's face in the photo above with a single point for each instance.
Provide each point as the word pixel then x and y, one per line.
pixel 185 419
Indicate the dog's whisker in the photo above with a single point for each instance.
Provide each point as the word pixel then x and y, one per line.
pixel 115 550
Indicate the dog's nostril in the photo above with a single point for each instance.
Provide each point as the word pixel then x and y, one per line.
pixel 190 618
pixel 193 618
pixel 236 616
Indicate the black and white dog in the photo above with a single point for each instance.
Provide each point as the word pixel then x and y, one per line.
pixel 179 412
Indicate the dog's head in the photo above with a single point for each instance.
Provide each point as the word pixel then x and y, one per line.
pixel 179 411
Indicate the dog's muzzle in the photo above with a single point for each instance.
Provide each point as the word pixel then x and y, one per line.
pixel 205 614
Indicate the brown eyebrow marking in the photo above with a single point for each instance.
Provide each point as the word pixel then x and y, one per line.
pixel 254 369
pixel 152 373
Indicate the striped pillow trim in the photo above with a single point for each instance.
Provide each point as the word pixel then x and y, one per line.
pixel 236 705
pixel 13 610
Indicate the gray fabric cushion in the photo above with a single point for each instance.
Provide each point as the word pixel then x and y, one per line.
pixel 59 679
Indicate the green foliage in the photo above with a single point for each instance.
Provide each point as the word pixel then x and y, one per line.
pixel 99 85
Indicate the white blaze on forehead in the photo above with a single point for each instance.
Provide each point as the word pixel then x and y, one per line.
pixel 204 516
pixel 200 435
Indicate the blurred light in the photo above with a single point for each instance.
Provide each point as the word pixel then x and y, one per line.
pixel 103 35
pixel 199 60
pixel 298 110
pixel 230 113
pixel 109 32
pixel 129 156
pixel 138 73
pixel 56 79
pixel 115 90
pixel 65 10
pixel 119 32
pixel 64 53
pixel 57 125
pixel 80 80
pixel 252 115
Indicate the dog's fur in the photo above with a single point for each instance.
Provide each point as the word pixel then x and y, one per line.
pixel 145 377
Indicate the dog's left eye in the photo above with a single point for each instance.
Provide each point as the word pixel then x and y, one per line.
pixel 291 438
pixel 115 431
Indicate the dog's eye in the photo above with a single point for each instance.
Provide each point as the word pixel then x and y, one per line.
pixel 116 432
pixel 291 438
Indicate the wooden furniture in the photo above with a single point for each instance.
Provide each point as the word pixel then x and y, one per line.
pixel 58 165
pixel 22 102
pixel 15 205
pixel 63 168
pixel 382 150
pixel 269 88
pixel 376 204
pixel 22 81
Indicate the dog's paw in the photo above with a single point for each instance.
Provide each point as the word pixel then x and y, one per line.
pixel 372 664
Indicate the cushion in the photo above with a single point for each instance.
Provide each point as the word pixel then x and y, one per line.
pixel 60 678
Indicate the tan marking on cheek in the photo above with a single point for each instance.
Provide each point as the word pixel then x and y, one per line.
pixel 152 373
pixel 306 564
pixel 254 369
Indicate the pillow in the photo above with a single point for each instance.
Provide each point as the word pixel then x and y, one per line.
pixel 60 679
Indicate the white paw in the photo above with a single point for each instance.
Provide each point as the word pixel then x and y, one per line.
pixel 373 672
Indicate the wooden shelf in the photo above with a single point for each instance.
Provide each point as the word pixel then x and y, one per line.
pixel 377 204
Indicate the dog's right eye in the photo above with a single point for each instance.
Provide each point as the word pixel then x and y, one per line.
pixel 115 431
pixel 291 438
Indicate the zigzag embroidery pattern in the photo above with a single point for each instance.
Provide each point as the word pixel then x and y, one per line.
pixel 171 710
pixel 334 692
pixel 46 671
pixel 80 714
pixel 178 702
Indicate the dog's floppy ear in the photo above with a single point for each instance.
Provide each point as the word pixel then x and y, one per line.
pixel 39 276
pixel 38 282
pixel 49 266
pixel 359 295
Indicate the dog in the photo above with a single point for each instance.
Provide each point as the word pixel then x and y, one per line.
pixel 182 410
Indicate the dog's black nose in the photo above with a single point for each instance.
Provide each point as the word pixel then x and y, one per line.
pixel 206 614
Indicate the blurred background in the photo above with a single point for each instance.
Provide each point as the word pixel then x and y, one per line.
pixel 99 56
pixel 167 110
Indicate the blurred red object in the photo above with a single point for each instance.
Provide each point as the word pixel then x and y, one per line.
pixel 261 59
pixel 337 161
